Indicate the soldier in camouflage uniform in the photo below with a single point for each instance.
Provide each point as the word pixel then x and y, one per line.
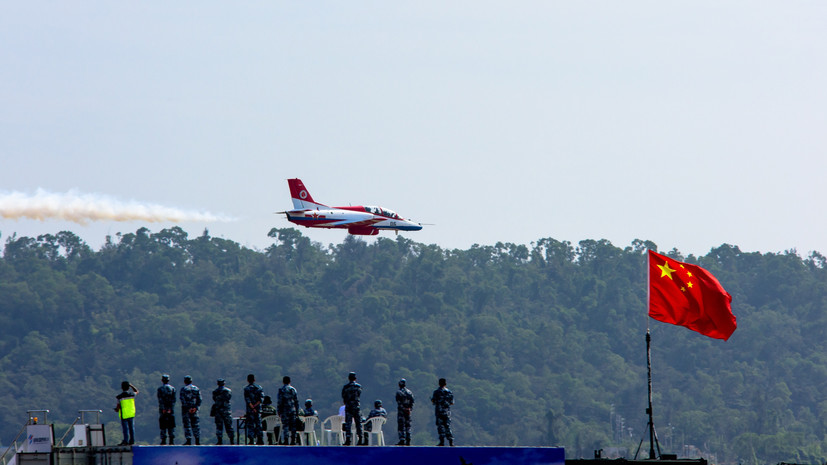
pixel 377 411
pixel 288 409
pixel 222 411
pixel 166 410
pixel 442 399
pixel 253 396
pixel 308 410
pixel 270 421
pixel 190 398
pixel 404 405
pixel 351 392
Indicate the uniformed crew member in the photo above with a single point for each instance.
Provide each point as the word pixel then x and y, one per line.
pixel 222 411
pixel 377 411
pixel 253 396
pixel 288 408
pixel 351 392
pixel 270 421
pixel 308 410
pixel 190 397
pixel 166 410
pixel 404 406
pixel 442 399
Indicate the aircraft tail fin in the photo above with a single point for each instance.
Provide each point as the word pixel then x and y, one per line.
pixel 301 197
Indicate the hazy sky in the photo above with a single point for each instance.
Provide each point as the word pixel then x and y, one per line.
pixel 691 124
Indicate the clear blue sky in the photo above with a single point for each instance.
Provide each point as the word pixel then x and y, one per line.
pixel 691 124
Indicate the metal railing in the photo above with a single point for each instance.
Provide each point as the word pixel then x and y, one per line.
pixel 13 446
pixel 59 443
pixel 81 418
pixel 32 419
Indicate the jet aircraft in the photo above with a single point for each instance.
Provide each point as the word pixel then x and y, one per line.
pixel 358 220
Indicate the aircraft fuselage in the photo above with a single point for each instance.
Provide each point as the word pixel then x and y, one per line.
pixel 361 220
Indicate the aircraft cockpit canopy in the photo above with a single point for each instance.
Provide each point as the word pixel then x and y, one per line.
pixel 382 211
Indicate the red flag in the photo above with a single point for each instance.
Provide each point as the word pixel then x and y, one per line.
pixel 688 295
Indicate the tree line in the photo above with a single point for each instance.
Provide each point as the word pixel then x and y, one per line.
pixel 542 344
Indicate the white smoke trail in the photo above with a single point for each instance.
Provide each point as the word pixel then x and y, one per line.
pixel 84 208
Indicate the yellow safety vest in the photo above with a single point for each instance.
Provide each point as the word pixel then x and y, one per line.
pixel 127 408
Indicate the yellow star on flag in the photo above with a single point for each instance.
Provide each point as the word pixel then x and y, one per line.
pixel 665 270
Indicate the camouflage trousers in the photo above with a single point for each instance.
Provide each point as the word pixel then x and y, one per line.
pixel 289 423
pixel 224 420
pixel 403 424
pixel 253 424
pixel 166 421
pixel 190 424
pixel 443 425
pixel 351 414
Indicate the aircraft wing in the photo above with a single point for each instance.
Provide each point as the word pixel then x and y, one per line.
pixel 360 223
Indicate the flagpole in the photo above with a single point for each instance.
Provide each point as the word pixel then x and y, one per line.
pixel 651 424
pixel 648 290
pixel 649 409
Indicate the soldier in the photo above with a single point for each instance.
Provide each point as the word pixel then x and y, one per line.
pixel 270 421
pixel 267 408
pixel 377 411
pixel 404 405
pixel 222 411
pixel 288 409
pixel 253 396
pixel 350 396
pixel 442 399
pixel 166 410
pixel 190 398
pixel 308 410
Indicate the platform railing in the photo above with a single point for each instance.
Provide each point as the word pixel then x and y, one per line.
pixel 83 419
pixel 59 443
pixel 13 446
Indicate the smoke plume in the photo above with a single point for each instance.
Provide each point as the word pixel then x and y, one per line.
pixel 84 208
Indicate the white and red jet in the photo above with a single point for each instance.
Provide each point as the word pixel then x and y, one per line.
pixel 361 220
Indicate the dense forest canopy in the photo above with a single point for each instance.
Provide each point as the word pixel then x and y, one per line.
pixel 541 344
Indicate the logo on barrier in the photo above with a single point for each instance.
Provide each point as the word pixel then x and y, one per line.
pixel 37 440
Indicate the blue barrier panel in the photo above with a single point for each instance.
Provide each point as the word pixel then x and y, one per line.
pixel 327 455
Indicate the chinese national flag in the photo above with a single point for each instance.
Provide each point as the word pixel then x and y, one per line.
pixel 688 295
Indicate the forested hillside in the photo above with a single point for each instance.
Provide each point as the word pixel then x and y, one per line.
pixel 542 345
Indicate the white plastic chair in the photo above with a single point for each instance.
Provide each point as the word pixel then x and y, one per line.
pixel 375 436
pixel 333 432
pixel 308 436
pixel 269 424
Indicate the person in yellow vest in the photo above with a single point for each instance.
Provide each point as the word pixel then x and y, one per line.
pixel 126 411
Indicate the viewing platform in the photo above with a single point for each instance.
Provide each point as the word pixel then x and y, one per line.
pixel 36 445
